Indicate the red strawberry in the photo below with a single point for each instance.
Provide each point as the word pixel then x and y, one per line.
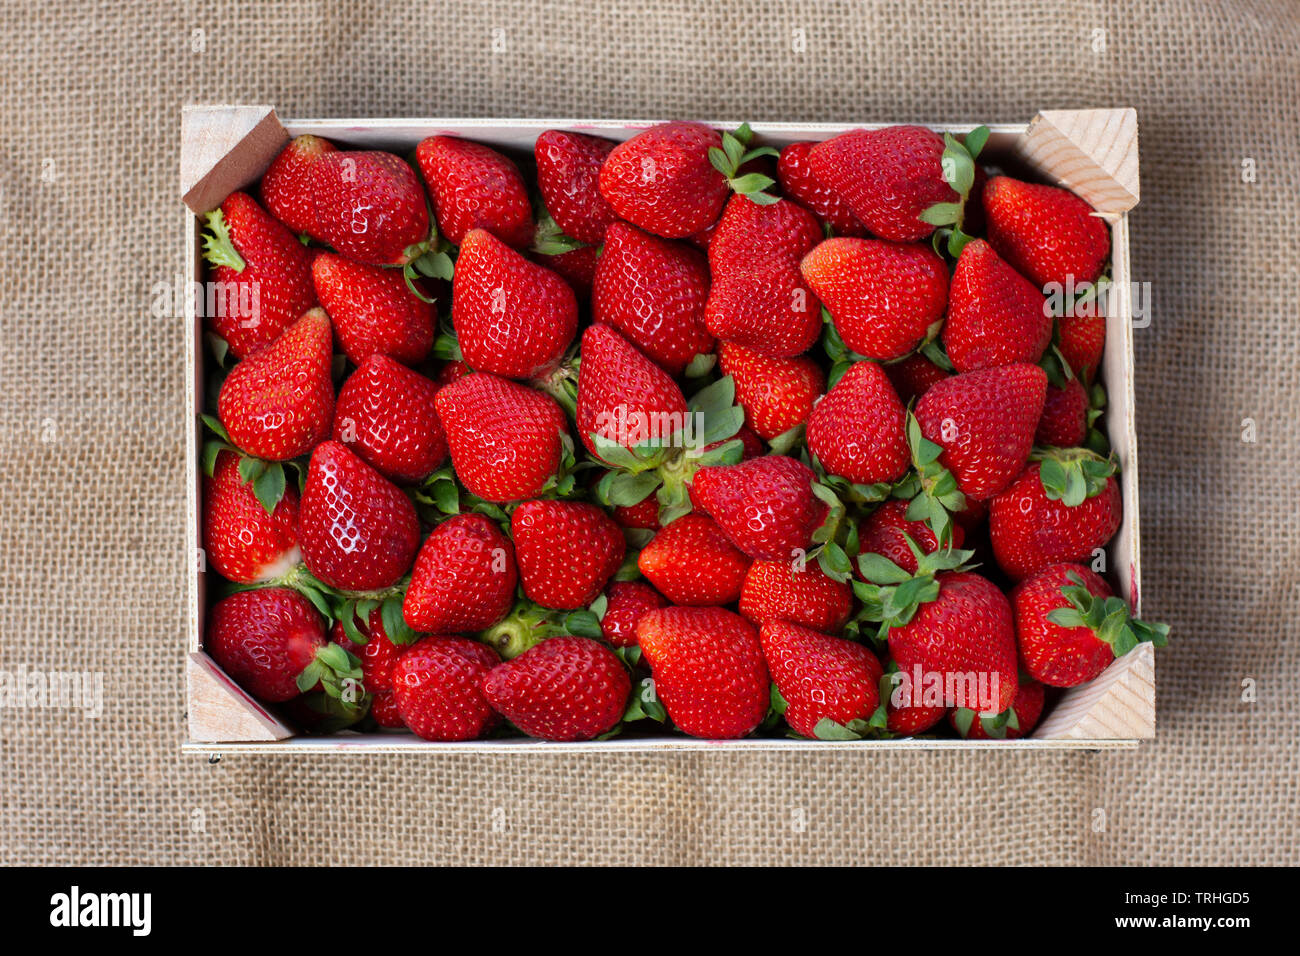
pixel 626 601
pixel 692 562
pixel 577 267
pixel 261 275
pixel 856 431
pixel 885 298
pixel 513 318
pixel 568 177
pixel 383 708
pixel 912 376
pixel 821 677
pixel 623 397
pixel 800 594
pixel 1047 515
pixel 385 414
pixel 505 439
pixel 1070 627
pixel 1026 708
pixel 995 315
pixel 378 655
pixel 662 180
pixel 268 638
pixel 373 311
pixel 286 184
pixel 884 529
pixel 758 298
pixel 357 531
pixel 475 187
pixel 1082 340
pixel 565 688
pixel 708 669
pixel 653 291
pixel 765 505
pixel 1064 422
pixel 451 372
pixel 985 422
pixel 464 577
pixel 799 183
pixel 888 177
pixel 567 551
pixel 777 394
pixel 902 717
pixel 1047 233
pixel 241 541
pixel 369 207
pixel 643 514
pixel 279 403
pixel 438 686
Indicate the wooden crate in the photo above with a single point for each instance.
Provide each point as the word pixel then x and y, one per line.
pixel 1092 152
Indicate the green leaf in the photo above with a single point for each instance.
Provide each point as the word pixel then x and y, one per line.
pixel 941 214
pixel 438 265
pixel 751 183
pixel 446 347
pixel 701 365
pixel 583 624
pixel 880 570
pixel 975 141
pixel 787 441
pixel 216 427
pixel 1065 617
pixel 250 468
pixel 715 397
pixel 218 247
pixel 963 717
pixel 395 626
pixel 625 490
pixel 718 160
pixel 828 729
pixel 348 619
pixel 269 486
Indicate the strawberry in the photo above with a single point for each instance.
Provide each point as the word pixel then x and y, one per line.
pixel 506 440
pixel 653 291
pixel 1047 233
pixel 623 397
pixel 758 298
pixel 565 688
pixel 1070 626
pixel 567 551
pixel 369 207
pixel 451 372
pixel 357 531
pixel 798 593
pixel 568 177
pixel 1015 722
pixel 373 311
pixel 708 669
pixel 438 688
pixel 577 267
pixel 995 315
pixel 513 318
pixel 377 653
pixel 885 532
pixel 385 414
pixel 464 577
pixel 475 187
pixel 887 177
pixel 662 179
pixel 856 431
pixel 626 602
pixel 1082 340
pixel 279 403
pixel 799 183
pixel 777 394
pixel 885 298
pixel 913 375
pixel 1064 422
pixel 241 540
pixel 271 641
pixel 955 626
pixel 984 422
pixel 902 718
pixel 692 562
pixel 1063 507
pixel 821 678
pixel 383 708
pixel 286 184
pixel 643 514
pixel 766 506
pixel 261 275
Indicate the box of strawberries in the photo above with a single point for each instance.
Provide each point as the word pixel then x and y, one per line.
pixel 600 435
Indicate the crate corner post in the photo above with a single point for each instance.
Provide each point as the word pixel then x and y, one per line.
pixel 1093 153
pixel 220 712
pixel 224 148
pixel 1118 705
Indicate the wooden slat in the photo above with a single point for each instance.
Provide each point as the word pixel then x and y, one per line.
pixel 219 710
pixel 1120 704
pixel 1091 152
pixel 225 148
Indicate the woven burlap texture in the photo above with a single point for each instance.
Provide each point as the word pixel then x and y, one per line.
pixel 92 509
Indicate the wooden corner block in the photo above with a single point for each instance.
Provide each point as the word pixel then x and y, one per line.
pixel 1093 153
pixel 224 148
pixel 220 711
pixel 1118 705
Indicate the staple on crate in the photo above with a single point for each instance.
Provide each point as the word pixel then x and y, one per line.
pixel 225 148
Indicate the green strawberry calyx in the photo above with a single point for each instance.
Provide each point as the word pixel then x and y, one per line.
pixel 891 596
pixel 931 487
pixel 267 477
pixel 735 152
pixel 958 169
pixel 337 671
pixel 1107 617
pixel 431 259
pixel 218 248
pixel 549 239
pixel 1072 475
pixel 529 624
pixel 995 726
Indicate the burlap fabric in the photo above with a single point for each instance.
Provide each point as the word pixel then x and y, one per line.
pixel 92 547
